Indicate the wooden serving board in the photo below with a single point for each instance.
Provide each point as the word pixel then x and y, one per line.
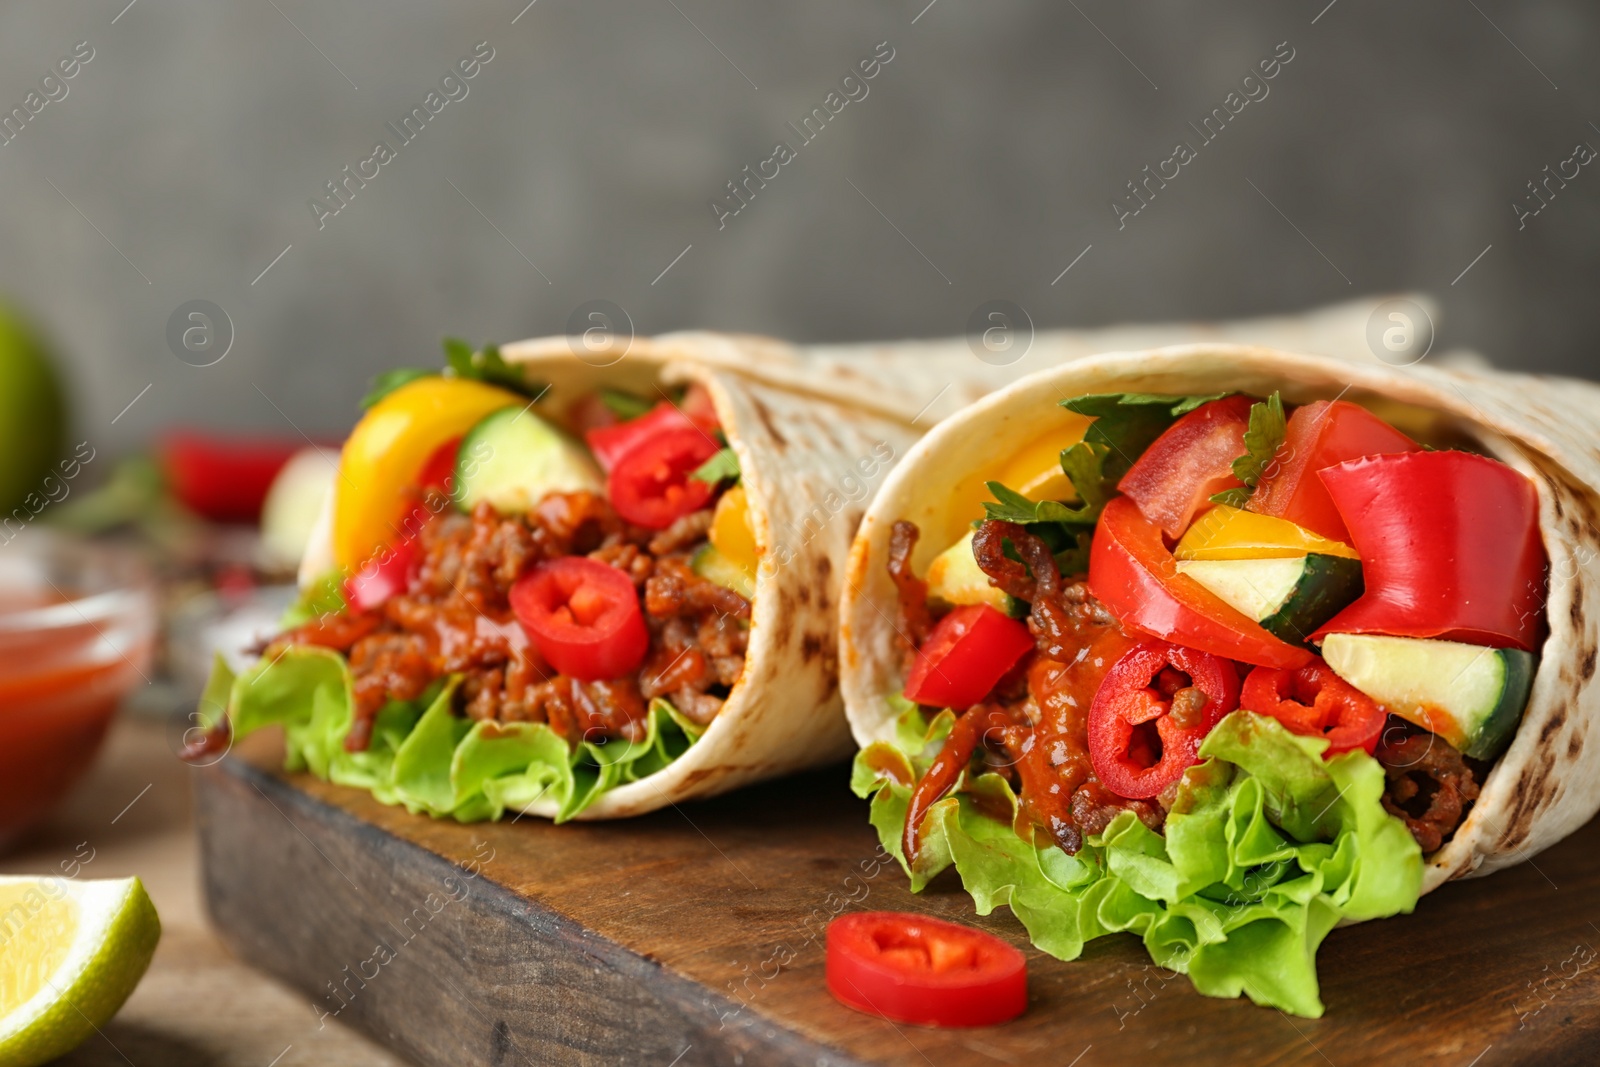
pixel 694 936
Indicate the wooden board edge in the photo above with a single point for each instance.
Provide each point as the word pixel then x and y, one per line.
pixel 270 851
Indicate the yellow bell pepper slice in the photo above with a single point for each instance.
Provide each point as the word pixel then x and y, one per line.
pixel 1035 470
pixel 388 447
pixel 731 531
pixel 1232 533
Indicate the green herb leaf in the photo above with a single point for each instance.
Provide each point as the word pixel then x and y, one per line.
pixel 1009 505
pixel 1268 427
pixel 722 466
pixel 1233 498
pixel 1128 423
pixel 487 365
pixel 625 405
pixel 390 380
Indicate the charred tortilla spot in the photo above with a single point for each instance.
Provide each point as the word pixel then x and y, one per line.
pixel 1586 671
pixel 764 414
pixel 784 629
pixel 1574 746
pixel 824 567
pixel 818 647
pixel 1531 796
pixel 1556 722
pixel 804 594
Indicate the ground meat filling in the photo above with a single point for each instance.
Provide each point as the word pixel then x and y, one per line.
pixel 455 619
pixel 1429 786
pixel 1043 748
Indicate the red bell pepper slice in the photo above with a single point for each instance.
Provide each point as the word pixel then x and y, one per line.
pixel 1190 462
pixel 1321 435
pixel 390 571
pixel 439 471
pixel 385 575
pixel 584 617
pixel 1144 729
pixel 1315 701
pixel 651 484
pixel 610 443
pixel 1449 545
pixel 1132 572
pixel 965 655
pixel 924 971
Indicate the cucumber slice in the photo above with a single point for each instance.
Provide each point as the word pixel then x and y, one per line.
pixel 1290 598
pixel 1470 695
pixel 955 578
pixel 513 458
pixel 709 563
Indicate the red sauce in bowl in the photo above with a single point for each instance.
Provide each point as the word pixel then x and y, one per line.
pixel 68 655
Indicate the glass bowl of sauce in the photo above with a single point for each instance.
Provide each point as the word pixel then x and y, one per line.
pixel 77 633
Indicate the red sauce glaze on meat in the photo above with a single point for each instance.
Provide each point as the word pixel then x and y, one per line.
pixel 1035 729
pixel 454 619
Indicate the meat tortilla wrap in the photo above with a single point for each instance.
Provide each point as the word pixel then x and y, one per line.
pixel 807 466
pixel 1543 786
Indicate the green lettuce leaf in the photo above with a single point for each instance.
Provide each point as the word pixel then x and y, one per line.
pixel 324 596
pixel 1266 849
pixel 424 756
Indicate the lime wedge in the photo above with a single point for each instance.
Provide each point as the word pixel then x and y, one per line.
pixel 70 953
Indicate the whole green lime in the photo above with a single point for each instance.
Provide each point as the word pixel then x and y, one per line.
pixel 33 415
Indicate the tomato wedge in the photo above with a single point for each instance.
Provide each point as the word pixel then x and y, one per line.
pixel 1155 706
pixel 925 971
pixel 1315 701
pixel 651 484
pixel 965 655
pixel 1133 573
pixel 1449 545
pixel 584 617
pixel 1321 435
pixel 610 443
pixel 1190 462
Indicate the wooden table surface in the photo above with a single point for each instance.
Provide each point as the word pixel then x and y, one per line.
pixel 691 938
pixel 198 1006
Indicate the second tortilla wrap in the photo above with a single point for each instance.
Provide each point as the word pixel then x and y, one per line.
pixel 1547 784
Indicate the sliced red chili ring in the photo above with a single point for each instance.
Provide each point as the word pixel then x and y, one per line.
pixel 1146 724
pixel 610 443
pixel 1315 701
pixel 925 971
pixel 584 617
pixel 651 484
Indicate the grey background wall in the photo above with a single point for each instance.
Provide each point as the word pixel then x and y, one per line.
pixel 984 157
